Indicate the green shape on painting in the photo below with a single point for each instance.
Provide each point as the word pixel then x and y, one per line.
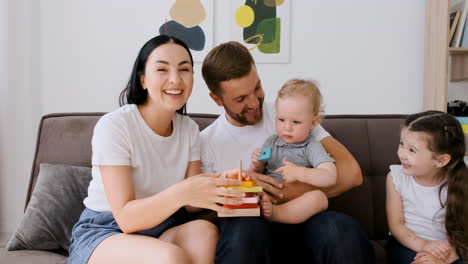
pixel 261 13
pixel 267 27
pixel 271 41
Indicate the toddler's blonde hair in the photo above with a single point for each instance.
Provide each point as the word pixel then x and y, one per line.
pixel 301 87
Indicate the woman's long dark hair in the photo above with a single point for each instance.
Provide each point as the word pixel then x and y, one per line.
pixel 447 138
pixel 134 92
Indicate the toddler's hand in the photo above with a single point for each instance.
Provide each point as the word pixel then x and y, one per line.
pixel 290 171
pixel 256 165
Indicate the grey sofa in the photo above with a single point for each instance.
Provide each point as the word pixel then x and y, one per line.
pixel 372 139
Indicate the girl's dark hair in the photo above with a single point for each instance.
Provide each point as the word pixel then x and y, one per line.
pixel 446 137
pixel 134 92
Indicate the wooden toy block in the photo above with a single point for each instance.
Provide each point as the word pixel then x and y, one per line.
pixel 247 184
pixel 465 128
pixel 242 212
pixel 265 154
pixel 247 189
pixel 243 184
pixel 250 199
pixel 462 119
pixel 241 206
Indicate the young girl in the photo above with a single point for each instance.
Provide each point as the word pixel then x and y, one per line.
pixel 145 156
pixel 427 195
pixel 296 156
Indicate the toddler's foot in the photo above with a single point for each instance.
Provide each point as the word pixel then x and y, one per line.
pixel 268 208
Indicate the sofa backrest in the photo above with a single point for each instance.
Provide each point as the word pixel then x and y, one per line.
pixel 372 139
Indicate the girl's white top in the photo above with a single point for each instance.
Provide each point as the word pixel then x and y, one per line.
pixel 423 213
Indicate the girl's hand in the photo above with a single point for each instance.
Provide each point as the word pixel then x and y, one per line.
pixel 426 258
pixel 256 165
pixel 290 171
pixel 438 249
pixel 206 191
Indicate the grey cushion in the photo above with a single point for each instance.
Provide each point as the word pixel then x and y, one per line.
pixel 55 206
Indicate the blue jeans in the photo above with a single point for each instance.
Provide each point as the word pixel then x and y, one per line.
pixel 397 253
pixel 327 237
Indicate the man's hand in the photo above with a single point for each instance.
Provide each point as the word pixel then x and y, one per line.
pixel 269 184
pixel 290 171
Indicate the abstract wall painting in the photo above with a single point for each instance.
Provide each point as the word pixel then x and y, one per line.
pixel 263 27
pixel 190 21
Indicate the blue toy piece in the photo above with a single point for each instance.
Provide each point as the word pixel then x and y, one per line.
pixel 265 154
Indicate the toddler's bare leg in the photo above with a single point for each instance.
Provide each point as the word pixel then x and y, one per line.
pixel 297 210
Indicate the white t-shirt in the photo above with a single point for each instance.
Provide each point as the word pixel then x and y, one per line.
pixel 422 211
pixel 122 137
pixel 224 144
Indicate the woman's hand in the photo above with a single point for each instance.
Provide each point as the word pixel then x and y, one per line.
pixel 206 191
pixel 232 174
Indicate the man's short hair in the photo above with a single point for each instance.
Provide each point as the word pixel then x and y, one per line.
pixel 230 60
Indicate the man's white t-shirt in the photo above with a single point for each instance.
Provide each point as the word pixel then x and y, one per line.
pixel 122 137
pixel 223 144
pixel 422 211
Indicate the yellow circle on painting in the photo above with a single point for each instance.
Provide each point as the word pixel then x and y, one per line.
pixel 245 16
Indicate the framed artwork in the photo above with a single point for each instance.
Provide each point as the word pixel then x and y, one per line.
pixel 263 27
pixel 189 21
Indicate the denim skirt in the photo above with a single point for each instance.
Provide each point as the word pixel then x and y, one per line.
pixel 93 227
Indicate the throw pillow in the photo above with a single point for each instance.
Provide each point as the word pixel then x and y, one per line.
pixel 55 206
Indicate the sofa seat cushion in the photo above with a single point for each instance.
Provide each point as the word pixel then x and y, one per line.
pixel 31 256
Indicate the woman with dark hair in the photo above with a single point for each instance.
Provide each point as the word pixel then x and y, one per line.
pixel 146 171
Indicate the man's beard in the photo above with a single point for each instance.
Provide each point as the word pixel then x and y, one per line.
pixel 242 119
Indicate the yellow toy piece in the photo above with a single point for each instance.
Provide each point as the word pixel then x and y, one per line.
pixel 247 189
pixel 243 184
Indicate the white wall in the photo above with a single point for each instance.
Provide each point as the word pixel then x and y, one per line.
pixel 20 106
pixel 66 56
pixel 3 94
pixel 368 51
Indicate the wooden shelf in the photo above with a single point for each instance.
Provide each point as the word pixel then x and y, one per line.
pixel 458 64
pixel 458 50
pixel 437 54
